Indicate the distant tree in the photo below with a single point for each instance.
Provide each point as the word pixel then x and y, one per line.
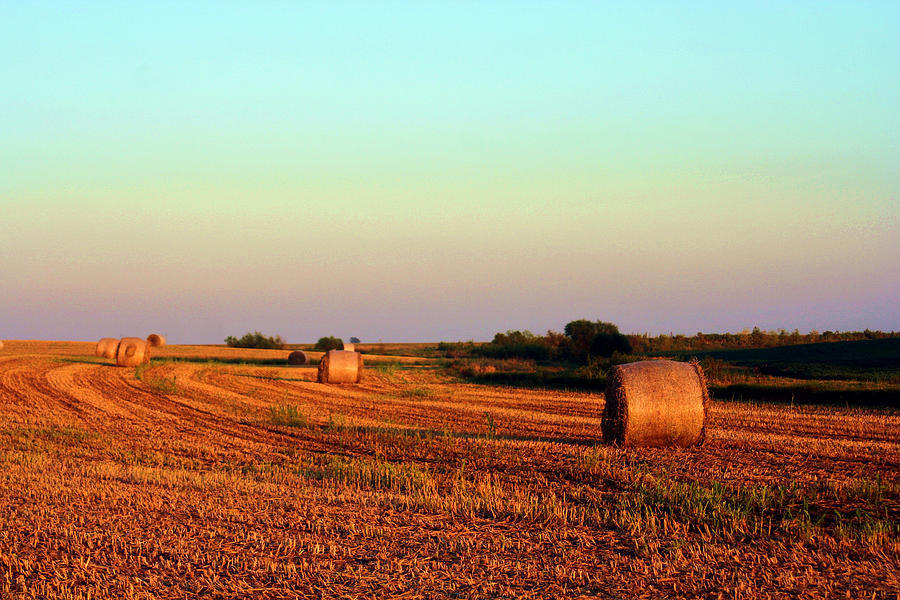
pixel 581 334
pixel 329 343
pixel 256 340
pixel 605 344
pixel 354 340
pixel 514 337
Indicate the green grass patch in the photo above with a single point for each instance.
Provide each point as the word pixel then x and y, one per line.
pixel 415 393
pixel 861 360
pixel 568 379
pixel 52 433
pixel 260 362
pixel 139 371
pixel 165 385
pixel 809 394
pixel 754 509
pixel 387 369
pixel 288 415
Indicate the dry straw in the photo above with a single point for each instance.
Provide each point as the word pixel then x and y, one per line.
pixel 132 352
pixel 155 339
pixel 107 347
pixel 655 403
pixel 340 366
pixel 297 357
pixel 350 347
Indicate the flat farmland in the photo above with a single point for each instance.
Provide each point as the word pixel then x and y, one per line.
pixel 221 473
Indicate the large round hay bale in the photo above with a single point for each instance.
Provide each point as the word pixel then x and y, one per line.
pixel 155 339
pixel 340 366
pixel 655 403
pixel 297 357
pixel 107 347
pixel 132 352
pixel 350 347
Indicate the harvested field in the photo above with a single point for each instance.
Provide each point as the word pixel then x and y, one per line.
pixel 212 473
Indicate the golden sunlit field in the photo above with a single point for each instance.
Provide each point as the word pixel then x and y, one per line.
pixel 216 472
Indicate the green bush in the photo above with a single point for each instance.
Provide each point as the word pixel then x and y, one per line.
pixel 516 344
pixel 456 349
pixel 606 344
pixel 329 343
pixel 530 351
pixel 594 338
pixel 256 340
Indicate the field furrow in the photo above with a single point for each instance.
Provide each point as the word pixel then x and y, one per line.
pixel 227 479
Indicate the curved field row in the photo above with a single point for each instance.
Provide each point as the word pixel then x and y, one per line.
pixel 232 400
pixel 198 477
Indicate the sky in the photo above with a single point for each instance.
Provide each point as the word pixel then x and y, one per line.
pixel 424 171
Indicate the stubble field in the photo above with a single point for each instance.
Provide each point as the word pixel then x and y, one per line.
pixel 216 472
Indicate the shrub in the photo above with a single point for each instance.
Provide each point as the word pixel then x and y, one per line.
pixel 607 344
pixel 511 338
pixel 531 351
pixel 256 340
pixel 456 349
pixel 515 344
pixel 329 343
pixel 594 338
pixel 582 341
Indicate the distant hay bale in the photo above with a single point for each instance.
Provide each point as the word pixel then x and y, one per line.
pixel 107 347
pixel 340 366
pixel 655 403
pixel 132 352
pixel 1 344
pixel 297 357
pixel 155 339
pixel 350 347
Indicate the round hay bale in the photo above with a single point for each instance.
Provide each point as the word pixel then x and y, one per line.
pixel 107 347
pixel 350 347
pixel 1 344
pixel 132 352
pixel 655 403
pixel 155 339
pixel 340 366
pixel 297 357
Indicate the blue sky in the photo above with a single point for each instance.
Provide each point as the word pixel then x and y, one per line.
pixel 425 171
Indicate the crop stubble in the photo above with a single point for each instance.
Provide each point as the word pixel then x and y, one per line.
pixel 414 484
